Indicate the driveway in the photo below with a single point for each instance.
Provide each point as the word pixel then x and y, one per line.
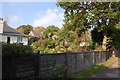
pixel 113 71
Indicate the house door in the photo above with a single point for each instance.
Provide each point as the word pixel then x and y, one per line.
pixel 8 39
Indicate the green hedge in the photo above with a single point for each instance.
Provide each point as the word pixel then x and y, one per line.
pixel 15 49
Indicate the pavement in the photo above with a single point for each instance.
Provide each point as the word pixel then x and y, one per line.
pixel 112 71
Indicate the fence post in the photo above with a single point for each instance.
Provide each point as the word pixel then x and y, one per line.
pixel 99 52
pixel 84 59
pixel 37 65
pixel 66 63
pixel 107 55
pixel 76 62
pixel 93 58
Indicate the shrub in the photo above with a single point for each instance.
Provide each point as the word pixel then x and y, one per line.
pixel 15 49
pixel 54 71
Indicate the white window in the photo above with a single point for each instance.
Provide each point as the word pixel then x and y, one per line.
pixel 19 39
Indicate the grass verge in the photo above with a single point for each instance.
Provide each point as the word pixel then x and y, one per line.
pixel 93 70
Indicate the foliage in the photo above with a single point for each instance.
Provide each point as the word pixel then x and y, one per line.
pixel 116 37
pixel 53 45
pixel 39 45
pixel 79 16
pixel 106 15
pixel 25 29
pixel 58 44
pixel 40 28
pixel 106 18
pixel 50 31
pixel 16 49
pixel 75 15
pixel 55 70
pixel 44 46
pixel 116 40
pixel 97 37
pixel 65 34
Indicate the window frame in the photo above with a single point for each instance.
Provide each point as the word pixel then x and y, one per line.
pixel 19 39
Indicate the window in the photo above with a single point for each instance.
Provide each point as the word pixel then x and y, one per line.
pixel 19 39
pixel 8 39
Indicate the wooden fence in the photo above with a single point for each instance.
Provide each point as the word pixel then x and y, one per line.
pixel 37 65
pixel 117 52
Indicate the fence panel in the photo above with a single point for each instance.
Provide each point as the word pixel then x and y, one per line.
pixel 18 67
pixel 71 63
pixel 40 65
pixel 79 62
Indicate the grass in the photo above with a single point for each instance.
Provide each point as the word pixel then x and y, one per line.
pixel 93 70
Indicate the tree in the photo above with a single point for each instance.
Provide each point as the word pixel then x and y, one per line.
pixel 76 17
pixel 97 38
pixel 82 15
pixel 48 43
pixel 106 16
pixel 40 28
pixel 25 29
pixel 50 31
pixel 115 36
pixel 64 35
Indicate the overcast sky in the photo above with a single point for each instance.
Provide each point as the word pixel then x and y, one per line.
pixel 33 13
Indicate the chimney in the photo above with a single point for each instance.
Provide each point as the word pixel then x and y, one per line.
pixel 1 19
pixel 1 25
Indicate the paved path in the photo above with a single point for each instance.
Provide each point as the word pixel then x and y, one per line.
pixel 113 71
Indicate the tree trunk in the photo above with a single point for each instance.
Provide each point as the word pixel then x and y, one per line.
pixel 79 35
pixel 104 43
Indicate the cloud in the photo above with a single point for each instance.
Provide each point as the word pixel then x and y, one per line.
pixel 51 17
pixel 13 19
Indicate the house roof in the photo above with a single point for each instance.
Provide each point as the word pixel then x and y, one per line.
pixel 7 30
pixel 35 33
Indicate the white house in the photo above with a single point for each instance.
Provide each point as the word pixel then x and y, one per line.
pixel 10 35
pixel 84 44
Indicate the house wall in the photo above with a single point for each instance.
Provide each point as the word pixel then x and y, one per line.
pixel 3 38
pixel 13 39
pixel 25 40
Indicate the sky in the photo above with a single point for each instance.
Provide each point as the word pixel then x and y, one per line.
pixel 32 13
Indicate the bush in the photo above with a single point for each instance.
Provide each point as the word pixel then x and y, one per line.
pixel 116 38
pixel 54 71
pixel 15 49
